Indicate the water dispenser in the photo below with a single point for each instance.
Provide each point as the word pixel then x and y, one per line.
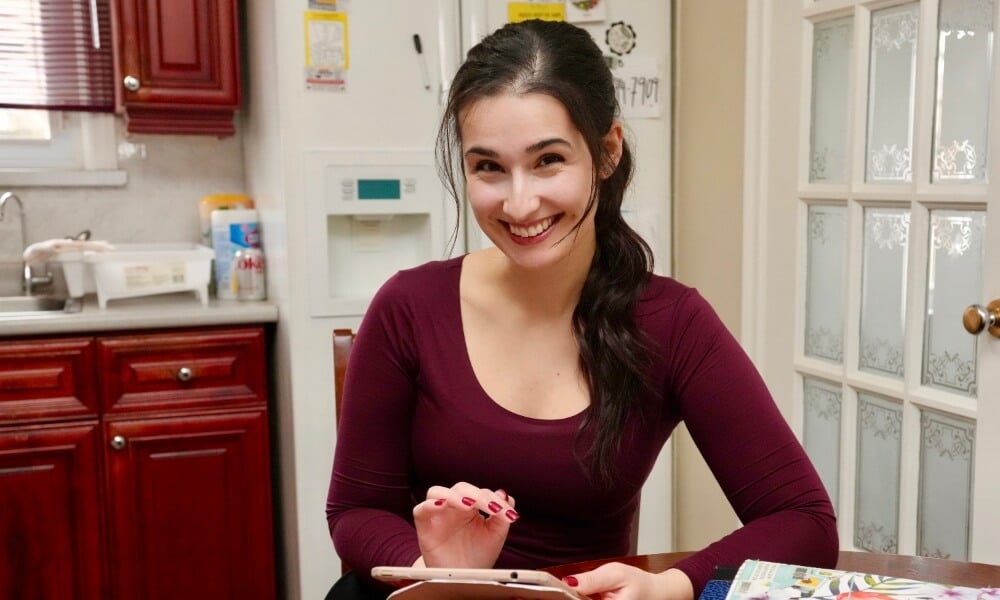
pixel 371 212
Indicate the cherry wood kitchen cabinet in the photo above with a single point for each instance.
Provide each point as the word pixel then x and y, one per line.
pixel 50 517
pixel 159 488
pixel 178 65
pixel 187 511
pixel 49 471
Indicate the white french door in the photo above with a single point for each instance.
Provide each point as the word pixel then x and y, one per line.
pixel 872 224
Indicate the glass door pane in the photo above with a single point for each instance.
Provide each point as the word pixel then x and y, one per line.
pixel 876 522
pixel 825 282
pixel 830 85
pixel 954 275
pixel 821 431
pixel 883 301
pixel 964 72
pixel 890 93
pixel 946 450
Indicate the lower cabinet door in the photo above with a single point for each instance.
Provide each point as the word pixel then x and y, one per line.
pixel 190 507
pixel 50 526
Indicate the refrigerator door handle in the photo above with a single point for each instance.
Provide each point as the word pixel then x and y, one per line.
pixel 461 24
pixel 475 23
pixel 449 44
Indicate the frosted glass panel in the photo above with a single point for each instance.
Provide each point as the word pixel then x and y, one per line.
pixel 946 461
pixel 892 62
pixel 964 72
pixel 828 127
pixel 883 290
pixel 954 277
pixel 876 522
pixel 821 431
pixel 824 282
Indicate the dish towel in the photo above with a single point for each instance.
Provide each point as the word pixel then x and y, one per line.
pixel 40 252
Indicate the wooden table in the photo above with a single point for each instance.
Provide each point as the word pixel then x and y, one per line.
pixel 898 565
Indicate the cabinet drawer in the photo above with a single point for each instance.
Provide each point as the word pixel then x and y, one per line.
pixel 47 379
pixel 191 369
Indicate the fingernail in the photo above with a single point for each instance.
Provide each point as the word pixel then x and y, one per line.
pixel 439 502
pixel 494 507
pixel 512 515
pixel 571 581
pixel 468 501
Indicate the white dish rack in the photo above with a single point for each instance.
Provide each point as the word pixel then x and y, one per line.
pixel 132 270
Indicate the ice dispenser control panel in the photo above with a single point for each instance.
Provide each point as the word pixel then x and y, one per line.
pixel 377 189
pixel 382 189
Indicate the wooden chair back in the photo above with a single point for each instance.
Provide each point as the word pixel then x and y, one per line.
pixel 343 339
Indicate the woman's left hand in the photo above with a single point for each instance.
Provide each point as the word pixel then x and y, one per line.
pixel 617 581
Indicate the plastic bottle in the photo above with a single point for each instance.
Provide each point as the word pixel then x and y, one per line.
pixel 232 230
pixel 218 202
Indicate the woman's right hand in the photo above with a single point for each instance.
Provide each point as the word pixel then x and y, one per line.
pixel 453 531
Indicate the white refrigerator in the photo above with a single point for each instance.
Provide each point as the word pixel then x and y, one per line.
pixel 341 114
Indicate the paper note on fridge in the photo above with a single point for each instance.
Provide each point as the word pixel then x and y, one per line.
pixel 638 86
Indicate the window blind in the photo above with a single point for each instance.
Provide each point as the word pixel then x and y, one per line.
pixel 56 54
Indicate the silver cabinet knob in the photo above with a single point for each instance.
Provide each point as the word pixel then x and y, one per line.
pixel 184 374
pixel 118 442
pixel 131 83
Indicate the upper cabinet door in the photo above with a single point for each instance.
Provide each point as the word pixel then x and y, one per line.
pixel 178 65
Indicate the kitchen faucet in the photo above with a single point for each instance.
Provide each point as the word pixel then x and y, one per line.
pixel 29 280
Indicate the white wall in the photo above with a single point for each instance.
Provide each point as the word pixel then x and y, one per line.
pixel 708 182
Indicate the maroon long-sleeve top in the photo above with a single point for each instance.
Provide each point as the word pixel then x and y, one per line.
pixel 414 415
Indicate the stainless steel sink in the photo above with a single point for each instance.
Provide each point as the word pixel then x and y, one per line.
pixel 30 304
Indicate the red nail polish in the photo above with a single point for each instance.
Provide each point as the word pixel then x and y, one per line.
pixel 512 515
pixel 494 507
pixel 468 501
pixel 571 581
pixel 438 502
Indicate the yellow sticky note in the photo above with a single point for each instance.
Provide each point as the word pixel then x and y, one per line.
pixel 546 11
pixel 326 39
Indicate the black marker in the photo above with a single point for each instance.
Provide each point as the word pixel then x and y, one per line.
pixel 422 60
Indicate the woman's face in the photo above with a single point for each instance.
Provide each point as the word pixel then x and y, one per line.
pixel 529 177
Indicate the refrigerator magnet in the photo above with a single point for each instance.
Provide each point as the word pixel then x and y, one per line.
pixel 620 38
pixel 586 11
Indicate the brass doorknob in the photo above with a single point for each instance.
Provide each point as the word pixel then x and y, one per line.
pixel 977 317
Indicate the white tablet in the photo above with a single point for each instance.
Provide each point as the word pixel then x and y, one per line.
pixel 524 580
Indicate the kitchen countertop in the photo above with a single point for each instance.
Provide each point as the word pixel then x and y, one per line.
pixel 147 312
